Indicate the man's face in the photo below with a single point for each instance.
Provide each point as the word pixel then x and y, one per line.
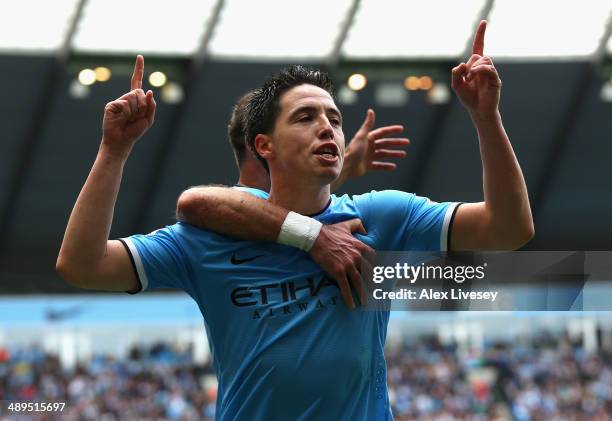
pixel 307 140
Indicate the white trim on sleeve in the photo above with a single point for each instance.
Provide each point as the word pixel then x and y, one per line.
pixel 448 218
pixel 142 275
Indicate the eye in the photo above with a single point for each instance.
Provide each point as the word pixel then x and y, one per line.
pixel 304 118
pixel 335 121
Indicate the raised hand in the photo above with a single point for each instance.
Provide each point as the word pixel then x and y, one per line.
pixel 476 82
pixel 368 146
pixel 127 118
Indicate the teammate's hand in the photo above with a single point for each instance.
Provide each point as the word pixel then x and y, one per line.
pixel 342 256
pixel 127 118
pixel 369 146
pixel 476 82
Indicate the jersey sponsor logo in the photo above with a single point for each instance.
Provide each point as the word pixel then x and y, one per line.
pixel 286 294
pixel 300 307
pixel 236 261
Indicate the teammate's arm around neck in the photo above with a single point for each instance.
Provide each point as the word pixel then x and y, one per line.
pixel 242 215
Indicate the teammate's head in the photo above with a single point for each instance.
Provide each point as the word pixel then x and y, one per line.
pixel 290 116
pixel 235 129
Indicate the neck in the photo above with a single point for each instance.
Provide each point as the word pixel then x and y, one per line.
pixel 299 196
pixel 253 174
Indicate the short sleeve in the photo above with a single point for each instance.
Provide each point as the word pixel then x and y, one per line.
pixel 255 192
pixel 404 221
pixel 159 260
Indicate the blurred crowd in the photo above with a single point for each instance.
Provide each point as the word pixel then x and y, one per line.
pixel 157 383
pixel 543 378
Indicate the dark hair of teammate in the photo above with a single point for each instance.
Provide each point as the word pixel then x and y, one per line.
pixel 235 128
pixel 264 105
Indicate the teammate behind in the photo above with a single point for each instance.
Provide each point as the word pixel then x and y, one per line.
pixel 235 212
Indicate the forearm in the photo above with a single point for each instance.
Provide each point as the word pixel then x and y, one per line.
pixel 241 215
pixel 505 191
pixel 86 236
pixel 231 212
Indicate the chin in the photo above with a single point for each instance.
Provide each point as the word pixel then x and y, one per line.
pixel 329 175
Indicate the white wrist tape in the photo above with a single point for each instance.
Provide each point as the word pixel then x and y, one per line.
pixel 299 231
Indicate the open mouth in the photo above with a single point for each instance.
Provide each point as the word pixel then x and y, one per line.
pixel 328 151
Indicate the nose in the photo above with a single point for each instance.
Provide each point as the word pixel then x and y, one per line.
pixel 326 131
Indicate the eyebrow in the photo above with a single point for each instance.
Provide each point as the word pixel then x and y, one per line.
pixel 310 109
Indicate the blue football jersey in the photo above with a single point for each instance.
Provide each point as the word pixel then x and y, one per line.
pixel 283 343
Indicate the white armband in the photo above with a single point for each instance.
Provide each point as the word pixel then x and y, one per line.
pixel 299 231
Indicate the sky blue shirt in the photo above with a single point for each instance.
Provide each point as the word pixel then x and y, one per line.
pixel 284 345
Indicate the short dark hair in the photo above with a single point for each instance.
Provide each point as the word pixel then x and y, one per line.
pixel 263 107
pixel 235 128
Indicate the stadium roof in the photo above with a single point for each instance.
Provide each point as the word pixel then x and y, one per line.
pixel 317 30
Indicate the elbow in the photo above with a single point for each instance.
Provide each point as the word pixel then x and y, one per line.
pixel 69 273
pixel 64 271
pixel 521 235
pixel 513 230
pixel 190 202
pixel 184 205
pixel 510 235
pixel 526 230
pixel 526 233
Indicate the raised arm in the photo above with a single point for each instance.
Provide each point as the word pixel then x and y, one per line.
pixel 87 259
pixel 503 221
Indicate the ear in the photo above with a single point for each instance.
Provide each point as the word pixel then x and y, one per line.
pixel 264 146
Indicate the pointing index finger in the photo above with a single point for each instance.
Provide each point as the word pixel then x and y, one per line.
pixel 138 73
pixel 478 45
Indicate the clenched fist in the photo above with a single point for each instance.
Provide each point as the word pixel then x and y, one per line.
pixel 127 118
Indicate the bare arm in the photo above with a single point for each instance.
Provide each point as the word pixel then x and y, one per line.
pixel 503 221
pixel 87 259
pixel 231 212
pixel 241 215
